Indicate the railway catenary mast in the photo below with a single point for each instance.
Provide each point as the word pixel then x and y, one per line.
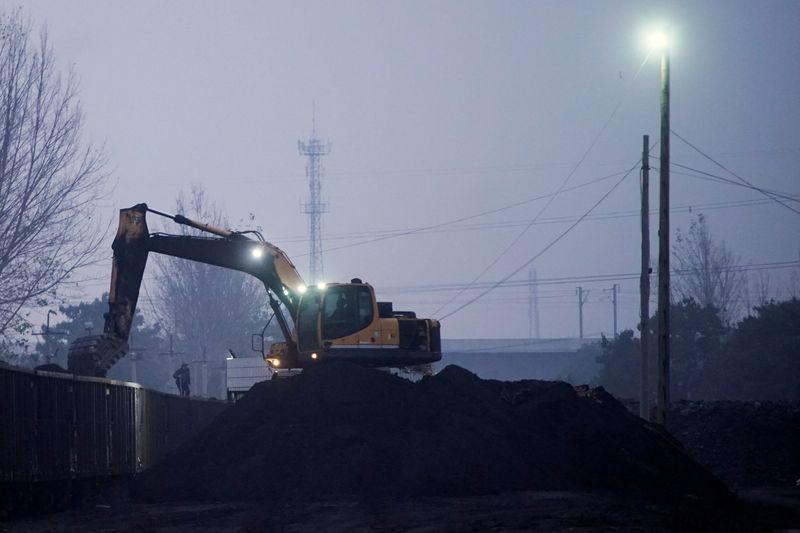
pixel 314 149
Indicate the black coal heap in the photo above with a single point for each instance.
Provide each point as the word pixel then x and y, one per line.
pixel 344 429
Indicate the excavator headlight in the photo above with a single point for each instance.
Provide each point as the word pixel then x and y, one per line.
pixel 314 355
pixel 321 286
pixel 258 252
pixel 275 362
pixel 302 289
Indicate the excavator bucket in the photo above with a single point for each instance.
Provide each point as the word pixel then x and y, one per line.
pixel 94 355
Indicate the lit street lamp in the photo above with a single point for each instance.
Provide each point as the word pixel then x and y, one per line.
pixel 659 40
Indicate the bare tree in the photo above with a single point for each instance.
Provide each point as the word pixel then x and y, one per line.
pixel 793 283
pixel 793 287
pixel 50 178
pixel 756 289
pixel 708 271
pixel 208 309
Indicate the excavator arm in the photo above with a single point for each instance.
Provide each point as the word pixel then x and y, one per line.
pixel 95 355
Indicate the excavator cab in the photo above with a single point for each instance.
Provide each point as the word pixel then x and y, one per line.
pixel 330 312
pixel 344 321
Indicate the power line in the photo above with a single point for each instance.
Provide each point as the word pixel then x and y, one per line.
pixel 516 204
pixel 388 233
pixel 716 178
pixel 732 173
pixel 467 217
pixel 546 248
pixel 443 227
pixel 558 191
pixel 605 216
pixel 618 276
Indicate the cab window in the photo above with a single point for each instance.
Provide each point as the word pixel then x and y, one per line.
pixel 307 316
pixel 364 307
pixel 346 310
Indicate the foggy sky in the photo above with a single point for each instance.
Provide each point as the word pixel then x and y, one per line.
pixel 440 110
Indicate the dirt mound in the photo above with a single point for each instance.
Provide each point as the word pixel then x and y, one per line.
pixel 344 429
pixel 744 443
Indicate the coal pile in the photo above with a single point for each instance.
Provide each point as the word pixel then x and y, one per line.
pixel 343 429
pixel 744 443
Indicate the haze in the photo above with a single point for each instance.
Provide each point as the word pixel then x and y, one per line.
pixel 442 110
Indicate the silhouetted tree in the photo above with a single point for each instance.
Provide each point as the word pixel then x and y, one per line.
pixel 619 359
pixel 50 179
pixel 757 289
pixel 762 359
pixel 695 349
pixel 85 318
pixel 759 359
pixel 208 309
pixel 695 341
pixel 707 271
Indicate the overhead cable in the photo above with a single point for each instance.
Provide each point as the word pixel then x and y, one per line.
pixel 732 173
pixel 560 189
pixel 545 249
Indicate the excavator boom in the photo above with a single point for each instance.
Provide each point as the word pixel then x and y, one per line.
pixel 95 355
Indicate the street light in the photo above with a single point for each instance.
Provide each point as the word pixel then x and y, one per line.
pixel 659 40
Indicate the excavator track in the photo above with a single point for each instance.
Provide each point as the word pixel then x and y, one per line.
pixel 94 355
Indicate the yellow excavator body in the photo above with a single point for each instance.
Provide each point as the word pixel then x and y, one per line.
pixel 337 321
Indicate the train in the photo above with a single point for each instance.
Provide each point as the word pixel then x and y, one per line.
pixel 60 429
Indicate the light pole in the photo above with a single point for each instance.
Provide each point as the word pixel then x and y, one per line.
pixel 644 283
pixel 660 41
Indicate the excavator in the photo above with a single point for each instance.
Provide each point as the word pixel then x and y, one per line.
pixel 326 322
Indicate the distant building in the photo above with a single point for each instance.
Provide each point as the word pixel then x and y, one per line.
pixel 512 359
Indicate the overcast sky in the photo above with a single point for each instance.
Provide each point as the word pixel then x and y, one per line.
pixel 442 110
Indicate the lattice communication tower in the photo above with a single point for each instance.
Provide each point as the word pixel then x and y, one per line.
pixel 314 149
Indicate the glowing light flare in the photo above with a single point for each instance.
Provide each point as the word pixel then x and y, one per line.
pixel 302 289
pixel 314 355
pixel 257 252
pixel 658 38
pixel 322 286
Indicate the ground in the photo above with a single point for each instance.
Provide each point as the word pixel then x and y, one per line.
pixel 753 447
pixel 763 509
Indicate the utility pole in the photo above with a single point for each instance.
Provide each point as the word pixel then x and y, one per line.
pixel 581 300
pixel 533 305
pixel 536 323
pixel 663 249
pixel 314 149
pixel 614 288
pixel 204 373
pixel 644 281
